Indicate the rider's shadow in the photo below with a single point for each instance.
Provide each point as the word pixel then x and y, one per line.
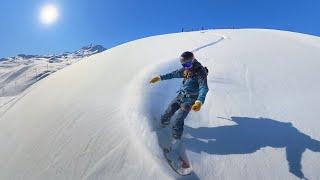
pixel 250 135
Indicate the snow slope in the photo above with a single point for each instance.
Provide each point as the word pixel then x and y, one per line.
pixel 19 72
pixel 95 119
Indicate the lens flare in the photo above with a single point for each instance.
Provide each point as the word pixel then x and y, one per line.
pixel 49 14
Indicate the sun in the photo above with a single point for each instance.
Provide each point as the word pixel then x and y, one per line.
pixel 49 14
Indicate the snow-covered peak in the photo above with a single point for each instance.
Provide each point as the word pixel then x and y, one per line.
pixel 21 71
pixel 93 48
pixel 88 50
pixel 82 52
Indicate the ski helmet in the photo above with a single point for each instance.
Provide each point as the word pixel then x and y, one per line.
pixel 186 56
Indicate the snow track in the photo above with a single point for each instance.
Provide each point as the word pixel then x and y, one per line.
pixel 96 119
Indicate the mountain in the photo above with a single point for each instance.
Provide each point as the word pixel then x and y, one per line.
pixel 19 72
pixel 90 50
pixel 96 118
pixel 81 53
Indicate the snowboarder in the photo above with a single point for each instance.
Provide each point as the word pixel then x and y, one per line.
pixel 191 95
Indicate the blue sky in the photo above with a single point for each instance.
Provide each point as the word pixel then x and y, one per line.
pixel 112 22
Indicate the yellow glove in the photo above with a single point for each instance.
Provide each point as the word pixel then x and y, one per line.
pixel 196 106
pixel 155 79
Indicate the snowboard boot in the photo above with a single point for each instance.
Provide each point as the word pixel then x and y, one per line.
pixel 184 164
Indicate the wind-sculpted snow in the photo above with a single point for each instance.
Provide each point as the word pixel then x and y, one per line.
pixel 96 119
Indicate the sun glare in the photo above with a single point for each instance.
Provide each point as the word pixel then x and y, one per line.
pixel 49 14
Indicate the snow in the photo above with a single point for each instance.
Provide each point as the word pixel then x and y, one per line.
pixel 20 72
pixel 95 119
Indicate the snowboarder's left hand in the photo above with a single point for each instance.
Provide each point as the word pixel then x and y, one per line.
pixel 197 106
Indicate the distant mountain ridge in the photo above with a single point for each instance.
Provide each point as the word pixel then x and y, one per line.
pixel 82 52
pixel 19 72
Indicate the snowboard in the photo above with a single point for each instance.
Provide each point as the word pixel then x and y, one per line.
pixel 176 158
pixel 178 161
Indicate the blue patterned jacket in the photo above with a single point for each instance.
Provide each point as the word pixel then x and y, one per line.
pixel 193 84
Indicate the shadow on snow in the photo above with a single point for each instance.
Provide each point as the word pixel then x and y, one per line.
pixel 250 135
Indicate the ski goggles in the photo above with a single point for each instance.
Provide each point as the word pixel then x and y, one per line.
pixel 187 64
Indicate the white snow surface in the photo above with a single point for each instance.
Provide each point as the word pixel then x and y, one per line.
pixel 95 119
pixel 20 72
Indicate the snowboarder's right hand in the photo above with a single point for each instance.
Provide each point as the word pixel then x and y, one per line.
pixel 155 79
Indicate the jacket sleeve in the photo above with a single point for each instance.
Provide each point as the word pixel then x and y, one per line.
pixel 175 74
pixel 203 87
